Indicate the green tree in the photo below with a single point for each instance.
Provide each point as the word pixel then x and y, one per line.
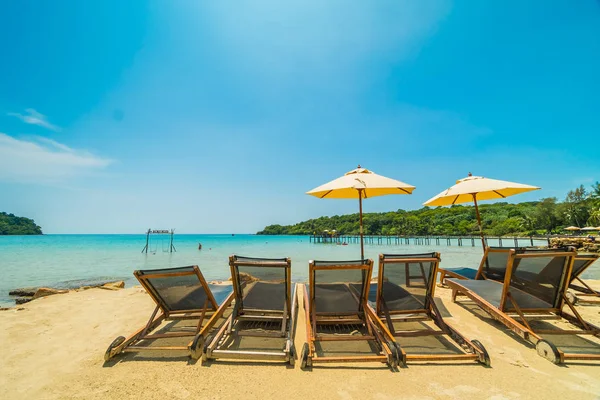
pixel 10 224
pixel 575 208
pixel 545 215
pixel 498 218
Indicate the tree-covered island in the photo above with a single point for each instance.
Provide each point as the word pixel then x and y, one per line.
pixel 10 224
pixel 546 216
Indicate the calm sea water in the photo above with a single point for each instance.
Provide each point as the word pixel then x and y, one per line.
pixel 51 260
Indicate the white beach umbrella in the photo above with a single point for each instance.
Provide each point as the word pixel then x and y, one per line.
pixel 572 228
pixel 360 183
pixel 474 188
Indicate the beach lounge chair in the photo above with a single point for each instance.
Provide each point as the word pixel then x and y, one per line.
pixel 180 294
pixel 492 266
pixel 494 262
pixel 338 315
pixel 405 290
pixel 579 291
pixel 531 294
pixel 260 326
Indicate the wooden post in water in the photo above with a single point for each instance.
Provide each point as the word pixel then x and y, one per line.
pixel 145 249
pixel 172 246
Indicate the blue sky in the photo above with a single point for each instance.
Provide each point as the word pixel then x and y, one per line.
pixel 218 116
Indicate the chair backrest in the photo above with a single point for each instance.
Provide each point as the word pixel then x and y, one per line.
pixel 495 261
pixel 543 274
pixel 175 290
pixel 493 264
pixel 406 282
pixel 581 263
pixel 261 284
pixel 339 287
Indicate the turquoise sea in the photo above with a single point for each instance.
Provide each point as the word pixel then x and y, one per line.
pixel 72 260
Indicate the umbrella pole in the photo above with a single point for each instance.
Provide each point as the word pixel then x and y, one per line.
pixel 362 248
pixel 479 222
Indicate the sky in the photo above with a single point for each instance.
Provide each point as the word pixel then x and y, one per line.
pixel 218 116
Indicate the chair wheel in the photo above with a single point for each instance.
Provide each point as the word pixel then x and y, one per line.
pixel 197 346
pixel 396 354
pixel 207 342
pixel 401 355
pixel 115 343
pixel 486 357
pixel 571 297
pixel 292 354
pixel 304 356
pixel 548 351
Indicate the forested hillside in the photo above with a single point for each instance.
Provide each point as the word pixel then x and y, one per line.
pixel 580 208
pixel 13 225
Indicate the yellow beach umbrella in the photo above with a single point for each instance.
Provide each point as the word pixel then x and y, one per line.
pixel 474 188
pixel 573 228
pixel 360 183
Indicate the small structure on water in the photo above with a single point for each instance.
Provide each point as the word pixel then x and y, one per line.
pixel 168 247
pixel 327 236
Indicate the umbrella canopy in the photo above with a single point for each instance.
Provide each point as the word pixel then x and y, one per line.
pixel 474 188
pixel 358 184
pixel 477 186
pixel 589 228
pixel 573 228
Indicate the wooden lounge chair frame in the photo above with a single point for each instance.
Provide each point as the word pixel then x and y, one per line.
pixel 577 294
pixel 583 294
pixel 518 319
pixel 471 350
pixel 239 315
pixel 202 313
pixel 366 317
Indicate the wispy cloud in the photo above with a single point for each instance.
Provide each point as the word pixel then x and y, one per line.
pixel 33 117
pixel 42 160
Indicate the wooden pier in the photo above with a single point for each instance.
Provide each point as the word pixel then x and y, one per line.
pixel 502 241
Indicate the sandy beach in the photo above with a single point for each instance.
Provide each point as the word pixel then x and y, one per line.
pixel 53 349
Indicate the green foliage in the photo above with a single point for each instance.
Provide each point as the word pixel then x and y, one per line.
pixel 576 206
pixel 498 219
pixel 594 199
pixel 13 225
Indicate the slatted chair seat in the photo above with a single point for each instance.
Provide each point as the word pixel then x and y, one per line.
pixel 491 291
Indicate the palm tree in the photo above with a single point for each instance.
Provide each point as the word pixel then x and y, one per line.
pixel 594 218
pixel 595 194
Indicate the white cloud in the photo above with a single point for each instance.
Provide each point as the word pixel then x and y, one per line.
pixel 33 117
pixel 42 160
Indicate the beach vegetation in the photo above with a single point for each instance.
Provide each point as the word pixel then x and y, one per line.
pixel 545 216
pixel 10 224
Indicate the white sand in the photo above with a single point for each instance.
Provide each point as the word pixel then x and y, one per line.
pixel 53 349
